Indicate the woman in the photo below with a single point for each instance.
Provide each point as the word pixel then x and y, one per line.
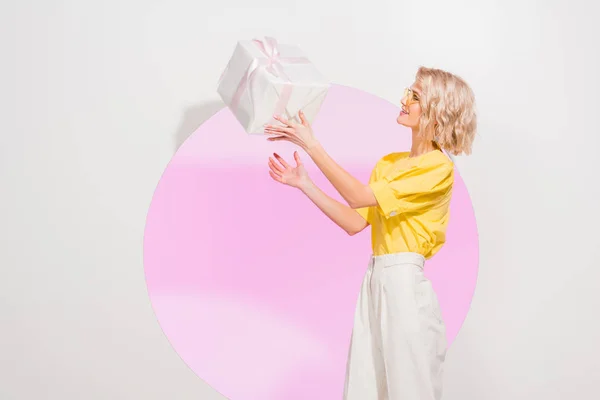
pixel 398 344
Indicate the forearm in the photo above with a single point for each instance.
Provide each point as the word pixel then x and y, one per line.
pixel 342 215
pixel 350 188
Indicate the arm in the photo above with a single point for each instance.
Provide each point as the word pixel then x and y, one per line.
pixel 351 189
pixel 342 215
pixel 356 194
pixel 410 189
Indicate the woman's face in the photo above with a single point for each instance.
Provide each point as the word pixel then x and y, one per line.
pixel 411 108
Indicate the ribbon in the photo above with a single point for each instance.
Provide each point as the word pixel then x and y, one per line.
pixel 272 63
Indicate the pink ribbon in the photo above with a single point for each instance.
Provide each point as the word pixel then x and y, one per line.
pixel 273 63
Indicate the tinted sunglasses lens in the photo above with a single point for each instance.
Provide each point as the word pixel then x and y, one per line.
pixel 409 96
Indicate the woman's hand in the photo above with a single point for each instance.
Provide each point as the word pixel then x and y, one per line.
pixel 284 173
pixel 300 134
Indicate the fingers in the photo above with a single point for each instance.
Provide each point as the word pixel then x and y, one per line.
pixel 286 138
pixel 282 161
pixel 278 138
pixel 297 158
pixel 275 177
pixel 303 118
pixel 278 130
pixel 275 167
pixel 284 121
pixel 275 171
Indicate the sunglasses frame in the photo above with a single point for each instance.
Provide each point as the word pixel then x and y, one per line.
pixel 409 94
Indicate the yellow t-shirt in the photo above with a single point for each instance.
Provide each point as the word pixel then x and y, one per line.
pixel 413 196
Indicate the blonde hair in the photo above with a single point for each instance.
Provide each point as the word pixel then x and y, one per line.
pixel 448 115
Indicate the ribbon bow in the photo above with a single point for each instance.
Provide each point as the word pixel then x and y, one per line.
pixel 272 63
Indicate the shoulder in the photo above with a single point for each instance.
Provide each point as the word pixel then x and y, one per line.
pixel 392 158
pixel 389 163
pixel 436 160
pixel 395 165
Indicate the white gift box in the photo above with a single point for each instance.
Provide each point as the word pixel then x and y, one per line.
pixel 264 78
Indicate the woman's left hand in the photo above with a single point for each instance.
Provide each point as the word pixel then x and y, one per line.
pixel 300 134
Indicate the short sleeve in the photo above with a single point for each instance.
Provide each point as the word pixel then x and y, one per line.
pixel 364 212
pixel 413 189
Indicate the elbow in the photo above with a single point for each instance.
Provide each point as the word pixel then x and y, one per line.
pixel 354 204
pixel 360 199
pixel 360 203
pixel 355 230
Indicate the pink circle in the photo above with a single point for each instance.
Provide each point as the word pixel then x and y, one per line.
pixel 253 286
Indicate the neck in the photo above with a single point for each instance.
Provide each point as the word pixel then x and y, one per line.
pixel 420 146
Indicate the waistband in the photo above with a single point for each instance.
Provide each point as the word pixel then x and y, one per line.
pixel 387 260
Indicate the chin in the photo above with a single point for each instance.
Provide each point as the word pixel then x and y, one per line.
pixel 399 121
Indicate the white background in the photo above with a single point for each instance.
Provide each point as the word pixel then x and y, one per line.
pixel 96 97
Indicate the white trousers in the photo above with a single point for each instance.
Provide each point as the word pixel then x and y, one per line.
pixel 398 344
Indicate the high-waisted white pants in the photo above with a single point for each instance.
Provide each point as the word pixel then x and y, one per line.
pixel 398 343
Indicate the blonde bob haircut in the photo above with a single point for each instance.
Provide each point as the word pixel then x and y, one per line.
pixel 448 115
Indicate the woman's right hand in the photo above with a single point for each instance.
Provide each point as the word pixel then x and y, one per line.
pixel 284 173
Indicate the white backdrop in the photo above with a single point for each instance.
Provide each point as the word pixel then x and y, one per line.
pixel 96 97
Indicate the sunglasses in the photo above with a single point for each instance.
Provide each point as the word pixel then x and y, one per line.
pixel 411 96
